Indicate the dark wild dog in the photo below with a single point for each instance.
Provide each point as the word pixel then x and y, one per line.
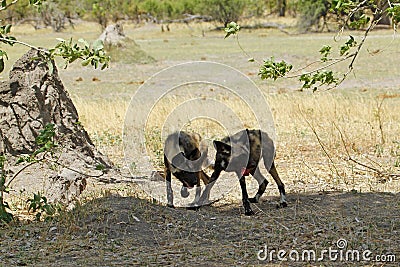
pixel 241 153
pixel 184 157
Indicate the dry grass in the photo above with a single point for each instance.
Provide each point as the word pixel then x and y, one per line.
pixel 319 133
pixel 357 124
pixel 103 119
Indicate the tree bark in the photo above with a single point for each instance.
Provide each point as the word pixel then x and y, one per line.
pixel 281 5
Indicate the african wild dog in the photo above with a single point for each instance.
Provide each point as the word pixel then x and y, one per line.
pixel 241 153
pixel 184 157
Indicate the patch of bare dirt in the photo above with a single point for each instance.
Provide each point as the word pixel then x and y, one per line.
pixel 126 231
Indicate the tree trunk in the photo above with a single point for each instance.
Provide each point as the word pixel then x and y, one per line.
pixel 281 5
pixel 385 19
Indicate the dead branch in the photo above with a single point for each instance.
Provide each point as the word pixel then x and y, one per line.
pixel 320 143
pixel 350 158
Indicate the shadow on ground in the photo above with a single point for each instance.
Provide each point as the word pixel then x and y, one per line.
pixel 125 231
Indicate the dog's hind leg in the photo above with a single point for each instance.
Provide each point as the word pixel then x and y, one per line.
pixel 262 184
pixel 281 186
pixel 245 197
pixel 170 196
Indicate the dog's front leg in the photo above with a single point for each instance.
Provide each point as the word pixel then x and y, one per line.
pixel 195 203
pixel 245 197
pixel 170 195
pixel 196 200
pixel 205 196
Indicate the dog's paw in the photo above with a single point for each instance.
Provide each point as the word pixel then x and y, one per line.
pixel 249 212
pixel 171 206
pixel 193 206
pixel 281 205
pixel 204 200
pixel 253 200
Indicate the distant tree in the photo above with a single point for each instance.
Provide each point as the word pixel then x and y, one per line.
pixel 382 5
pixel 224 11
pixel 313 14
pixel 352 14
pixel 53 16
pixel 281 5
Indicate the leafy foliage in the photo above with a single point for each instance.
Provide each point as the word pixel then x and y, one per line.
pixel 89 54
pixel 40 205
pixel 394 13
pixel 271 69
pixel 46 143
pixel 344 49
pixel 317 79
pixel 5 216
pixel 325 51
pixel 45 139
pixel 231 29
pixel 354 14
pixel 312 13
pixel 5 38
pixel 349 13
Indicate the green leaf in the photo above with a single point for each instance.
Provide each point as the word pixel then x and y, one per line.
pixel 85 62
pixel 344 49
pixel 100 167
pixel 325 51
pixel 339 3
pixel 84 42
pixel 97 45
pixel 4 215
pixel 7 29
pixel 394 13
pixel 231 29
pixel 310 80
pixel 274 70
pixel 1 64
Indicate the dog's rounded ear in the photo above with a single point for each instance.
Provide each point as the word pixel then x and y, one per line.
pixel 221 147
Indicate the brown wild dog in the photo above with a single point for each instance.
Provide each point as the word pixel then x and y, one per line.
pixel 184 157
pixel 241 153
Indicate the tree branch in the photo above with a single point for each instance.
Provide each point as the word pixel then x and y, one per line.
pixel 24 44
pixel 320 68
pixel 8 5
pixel 320 143
pixel 350 158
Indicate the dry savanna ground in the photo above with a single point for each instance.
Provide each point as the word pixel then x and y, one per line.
pixel 338 153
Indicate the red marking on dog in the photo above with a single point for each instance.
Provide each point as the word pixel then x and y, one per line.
pixel 245 171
